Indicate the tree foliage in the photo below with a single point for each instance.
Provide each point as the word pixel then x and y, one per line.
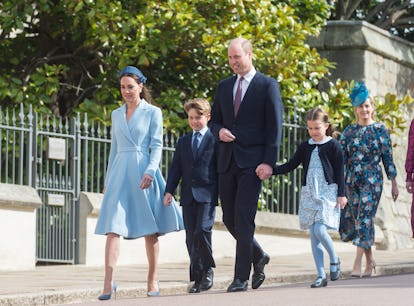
pixel 64 56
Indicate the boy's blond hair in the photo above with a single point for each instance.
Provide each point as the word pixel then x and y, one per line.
pixel 200 105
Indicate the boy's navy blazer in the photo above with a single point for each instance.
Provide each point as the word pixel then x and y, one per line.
pixel 257 127
pixel 198 175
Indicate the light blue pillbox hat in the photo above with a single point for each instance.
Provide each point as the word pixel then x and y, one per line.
pixel 135 71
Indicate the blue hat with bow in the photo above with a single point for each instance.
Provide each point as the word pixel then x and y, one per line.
pixel 135 71
pixel 359 94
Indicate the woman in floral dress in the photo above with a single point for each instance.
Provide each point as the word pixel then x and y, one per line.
pixel 365 144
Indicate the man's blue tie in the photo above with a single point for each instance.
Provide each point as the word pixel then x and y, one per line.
pixel 195 143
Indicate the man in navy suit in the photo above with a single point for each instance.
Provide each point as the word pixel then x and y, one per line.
pixel 246 118
pixel 195 163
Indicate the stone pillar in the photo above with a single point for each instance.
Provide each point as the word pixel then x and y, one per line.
pixel 362 51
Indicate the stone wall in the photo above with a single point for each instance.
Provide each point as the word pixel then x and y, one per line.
pixel 365 52
pixel 18 206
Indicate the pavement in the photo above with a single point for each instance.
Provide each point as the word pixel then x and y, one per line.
pixel 290 262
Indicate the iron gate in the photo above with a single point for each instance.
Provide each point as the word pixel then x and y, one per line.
pixel 44 152
pixel 69 156
pixel 54 177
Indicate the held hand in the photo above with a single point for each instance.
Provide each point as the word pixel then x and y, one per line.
pixel 168 199
pixel 260 173
pixel 342 201
pixel 394 190
pixel 410 187
pixel 226 136
pixel 146 181
pixel 264 171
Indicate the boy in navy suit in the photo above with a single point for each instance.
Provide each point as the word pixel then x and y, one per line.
pixel 194 163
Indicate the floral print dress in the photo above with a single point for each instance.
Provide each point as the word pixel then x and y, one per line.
pixel 364 148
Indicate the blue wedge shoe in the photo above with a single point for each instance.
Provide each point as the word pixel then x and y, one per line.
pixel 104 297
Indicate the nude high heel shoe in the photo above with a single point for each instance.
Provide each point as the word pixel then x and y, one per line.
pixel 370 269
pixel 357 269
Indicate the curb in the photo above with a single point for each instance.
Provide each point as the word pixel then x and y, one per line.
pixel 84 295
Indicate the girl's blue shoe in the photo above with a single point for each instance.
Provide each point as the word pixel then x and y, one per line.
pixel 319 282
pixel 335 273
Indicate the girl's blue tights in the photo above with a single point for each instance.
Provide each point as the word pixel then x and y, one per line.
pixel 320 239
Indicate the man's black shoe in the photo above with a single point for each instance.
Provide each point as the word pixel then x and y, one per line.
pixel 207 280
pixel 237 285
pixel 195 288
pixel 257 280
pixel 258 275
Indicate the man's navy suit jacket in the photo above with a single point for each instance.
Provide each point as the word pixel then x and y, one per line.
pixel 198 175
pixel 257 127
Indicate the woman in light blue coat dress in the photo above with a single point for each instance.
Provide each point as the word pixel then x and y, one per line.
pixel 134 187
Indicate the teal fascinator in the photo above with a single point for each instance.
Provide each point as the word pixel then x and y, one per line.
pixel 359 94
